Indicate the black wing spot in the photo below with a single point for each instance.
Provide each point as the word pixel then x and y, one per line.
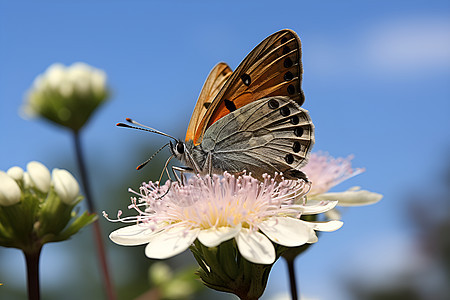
pixel 289 158
pixel 298 131
pixel 206 105
pixel 230 105
pixel 290 89
pixel 284 40
pixel 295 120
pixel 286 49
pixel 288 76
pixel 273 104
pixel 288 62
pixel 284 111
pixel 296 147
pixel 246 79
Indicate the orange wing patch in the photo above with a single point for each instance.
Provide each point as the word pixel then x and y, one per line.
pixel 273 68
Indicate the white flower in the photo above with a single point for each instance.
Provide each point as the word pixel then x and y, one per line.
pixel 217 209
pixel 66 95
pixel 9 190
pixel 65 185
pixel 39 176
pixel 325 172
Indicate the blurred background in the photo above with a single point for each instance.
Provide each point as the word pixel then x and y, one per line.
pixel 377 85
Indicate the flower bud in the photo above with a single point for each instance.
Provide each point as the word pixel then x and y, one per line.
pixel 9 190
pixel 65 185
pixel 67 95
pixel 15 173
pixel 39 176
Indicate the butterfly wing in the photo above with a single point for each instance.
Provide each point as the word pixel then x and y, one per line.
pixel 266 136
pixel 273 68
pixel 214 82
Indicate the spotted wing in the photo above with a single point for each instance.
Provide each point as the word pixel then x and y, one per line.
pixel 273 68
pixel 266 136
pixel 214 82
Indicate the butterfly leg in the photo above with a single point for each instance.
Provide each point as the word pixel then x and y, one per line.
pixel 182 170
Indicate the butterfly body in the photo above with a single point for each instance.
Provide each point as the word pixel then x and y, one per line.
pixel 250 119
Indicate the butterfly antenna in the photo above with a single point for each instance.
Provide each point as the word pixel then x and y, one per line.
pixel 151 157
pixel 143 128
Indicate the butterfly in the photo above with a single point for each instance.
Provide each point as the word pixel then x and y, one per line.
pixel 250 119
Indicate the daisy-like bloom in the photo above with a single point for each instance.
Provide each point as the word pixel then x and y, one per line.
pixel 325 172
pixel 220 208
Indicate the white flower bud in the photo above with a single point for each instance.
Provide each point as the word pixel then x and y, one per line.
pixel 65 185
pixel 9 190
pixel 39 175
pixel 66 95
pixel 15 173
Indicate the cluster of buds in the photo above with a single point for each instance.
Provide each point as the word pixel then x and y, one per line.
pixel 36 207
pixel 67 95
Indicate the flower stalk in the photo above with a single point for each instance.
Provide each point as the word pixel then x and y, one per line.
pixel 101 253
pixel 32 260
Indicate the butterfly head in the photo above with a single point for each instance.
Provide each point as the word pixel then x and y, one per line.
pixel 177 148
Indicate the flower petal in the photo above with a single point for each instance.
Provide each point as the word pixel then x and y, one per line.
pixel 255 247
pixel 352 197
pixel 213 237
pixel 15 173
pixel 317 206
pixel 325 226
pixel 39 175
pixel 66 186
pixel 134 234
pixel 171 242
pixel 286 231
pixel 9 190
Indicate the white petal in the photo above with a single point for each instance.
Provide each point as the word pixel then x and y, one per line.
pixel 352 197
pixel 39 175
pixel 134 234
pixel 15 173
pixel 286 231
pixel 213 237
pixel 9 190
pixel 325 226
pixel 317 206
pixel 255 247
pixel 171 242
pixel 312 237
pixel 66 186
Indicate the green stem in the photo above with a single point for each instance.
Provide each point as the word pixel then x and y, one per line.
pixel 32 260
pixel 107 283
pixel 292 281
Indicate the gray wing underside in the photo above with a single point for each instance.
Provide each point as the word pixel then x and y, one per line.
pixel 266 136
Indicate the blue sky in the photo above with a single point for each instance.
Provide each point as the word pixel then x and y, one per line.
pixel 376 80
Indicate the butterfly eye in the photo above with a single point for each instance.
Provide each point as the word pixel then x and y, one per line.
pixel 180 148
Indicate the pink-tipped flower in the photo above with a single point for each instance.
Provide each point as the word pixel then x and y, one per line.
pixel 325 172
pixel 221 208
